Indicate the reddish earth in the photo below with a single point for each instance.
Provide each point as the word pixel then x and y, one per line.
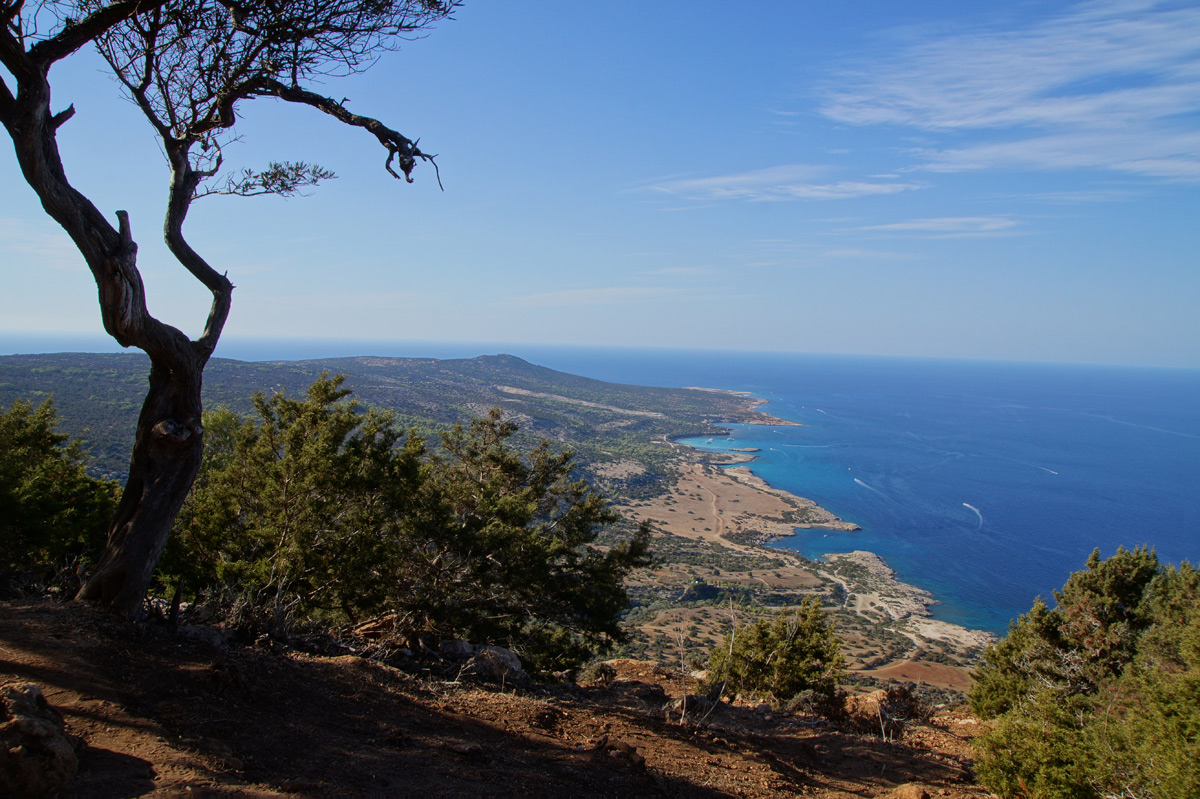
pixel 160 715
pixel 955 677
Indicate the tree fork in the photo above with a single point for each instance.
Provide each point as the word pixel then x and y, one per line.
pixel 148 44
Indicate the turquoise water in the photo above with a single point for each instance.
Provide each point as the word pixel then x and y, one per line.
pixel 985 483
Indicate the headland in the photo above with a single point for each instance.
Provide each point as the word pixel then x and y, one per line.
pixel 718 503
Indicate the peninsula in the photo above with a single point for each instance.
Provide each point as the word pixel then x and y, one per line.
pixel 711 515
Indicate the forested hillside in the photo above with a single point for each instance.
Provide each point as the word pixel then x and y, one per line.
pixel 98 397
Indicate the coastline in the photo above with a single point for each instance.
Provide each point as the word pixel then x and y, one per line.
pixel 717 499
pixel 883 594
pixel 752 402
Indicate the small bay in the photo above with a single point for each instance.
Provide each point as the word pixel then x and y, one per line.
pixel 984 483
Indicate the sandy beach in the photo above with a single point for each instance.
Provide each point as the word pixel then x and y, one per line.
pixel 752 403
pixel 715 502
pixel 731 507
pixel 734 508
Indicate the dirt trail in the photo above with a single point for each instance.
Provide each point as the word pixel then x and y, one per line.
pixel 714 507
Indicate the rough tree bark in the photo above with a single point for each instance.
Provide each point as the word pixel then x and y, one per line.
pixel 185 64
pixel 166 456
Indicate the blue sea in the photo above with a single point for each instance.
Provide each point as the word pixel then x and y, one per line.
pixel 985 483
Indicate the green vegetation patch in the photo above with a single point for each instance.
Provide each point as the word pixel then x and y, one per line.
pixel 1100 695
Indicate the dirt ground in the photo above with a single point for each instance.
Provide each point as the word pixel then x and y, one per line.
pixel 160 714
pixel 707 504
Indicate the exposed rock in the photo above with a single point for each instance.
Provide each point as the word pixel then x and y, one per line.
pixel 504 657
pixel 498 665
pixel 909 790
pixel 456 648
pixel 213 636
pixel 884 712
pixel 692 703
pixel 37 757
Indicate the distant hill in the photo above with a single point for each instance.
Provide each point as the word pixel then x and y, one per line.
pixel 98 397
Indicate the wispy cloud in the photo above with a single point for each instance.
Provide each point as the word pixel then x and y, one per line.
pixel 950 226
pixel 594 296
pixel 1157 154
pixel 1110 85
pixel 777 183
pixel 1074 197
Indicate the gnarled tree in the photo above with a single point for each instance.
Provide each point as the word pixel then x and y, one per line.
pixel 187 65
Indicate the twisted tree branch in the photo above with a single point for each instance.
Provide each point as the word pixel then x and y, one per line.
pixel 399 147
pixel 87 30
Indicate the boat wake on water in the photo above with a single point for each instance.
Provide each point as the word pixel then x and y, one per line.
pixel 869 487
pixel 977 513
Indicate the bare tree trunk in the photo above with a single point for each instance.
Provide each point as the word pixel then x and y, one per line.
pixel 168 448
pixel 164 463
pixel 164 58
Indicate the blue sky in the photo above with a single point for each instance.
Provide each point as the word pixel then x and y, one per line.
pixel 1012 180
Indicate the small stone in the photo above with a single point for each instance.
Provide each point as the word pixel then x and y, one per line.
pixel 456 648
pixel 297 786
pixel 692 703
pixel 465 748
pixel 37 757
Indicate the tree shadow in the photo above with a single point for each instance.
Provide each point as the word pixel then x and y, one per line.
pixel 105 774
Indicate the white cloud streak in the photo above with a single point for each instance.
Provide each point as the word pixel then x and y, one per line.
pixel 858 253
pixel 950 226
pixel 1107 85
pixel 774 184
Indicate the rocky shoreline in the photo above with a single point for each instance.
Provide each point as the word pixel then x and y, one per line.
pixel 871 586
pixel 752 403
pixel 810 513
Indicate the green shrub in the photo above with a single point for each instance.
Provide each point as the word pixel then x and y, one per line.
pixel 1100 695
pixel 52 515
pixel 319 512
pixel 597 673
pixel 797 652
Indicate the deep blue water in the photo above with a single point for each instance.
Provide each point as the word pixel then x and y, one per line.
pixel 985 483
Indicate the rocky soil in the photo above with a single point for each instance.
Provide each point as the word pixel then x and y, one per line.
pixel 157 713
